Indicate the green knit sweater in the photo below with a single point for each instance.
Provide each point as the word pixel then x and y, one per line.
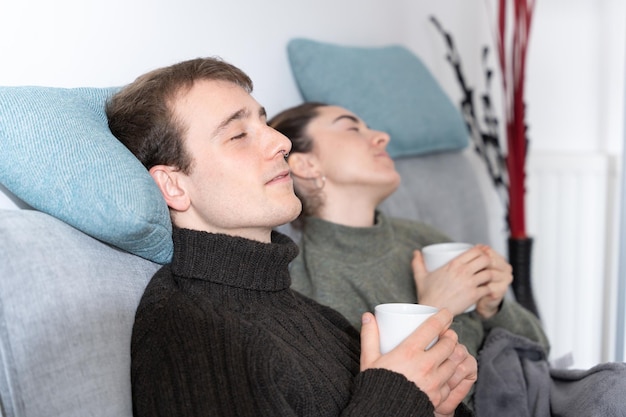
pixel 352 269
pixel 219 332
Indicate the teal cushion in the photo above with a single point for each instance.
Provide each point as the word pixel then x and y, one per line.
pixel 59 156
pixel 388 87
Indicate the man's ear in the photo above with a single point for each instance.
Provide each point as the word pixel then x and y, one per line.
pixel 304 165
pixel 168 181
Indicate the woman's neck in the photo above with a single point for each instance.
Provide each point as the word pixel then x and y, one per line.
pixel 349 209
pixel 353 205
pixel 351 218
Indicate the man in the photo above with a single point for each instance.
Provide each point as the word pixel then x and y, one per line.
pixel 218 331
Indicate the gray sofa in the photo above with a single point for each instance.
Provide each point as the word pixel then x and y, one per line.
pixel 83 228
pixel 67 303
pixel 67 300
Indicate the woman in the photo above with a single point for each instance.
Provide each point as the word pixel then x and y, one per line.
pixel 354 257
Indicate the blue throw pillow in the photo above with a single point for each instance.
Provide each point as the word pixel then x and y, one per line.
pixel 388 87
pixel 59 156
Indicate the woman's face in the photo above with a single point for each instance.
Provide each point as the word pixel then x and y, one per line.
pixel 349 153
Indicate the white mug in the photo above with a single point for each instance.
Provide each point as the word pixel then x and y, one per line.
pixel 437 255
pixel 396 321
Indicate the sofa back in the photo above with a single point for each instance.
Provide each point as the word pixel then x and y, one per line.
pixel 67 306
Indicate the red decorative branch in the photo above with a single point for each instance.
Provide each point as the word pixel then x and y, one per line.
pixel 513 70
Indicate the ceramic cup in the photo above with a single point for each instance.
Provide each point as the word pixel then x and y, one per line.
pixel 398 320
pixel 439 254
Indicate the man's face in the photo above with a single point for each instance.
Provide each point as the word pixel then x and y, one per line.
pixel 239 182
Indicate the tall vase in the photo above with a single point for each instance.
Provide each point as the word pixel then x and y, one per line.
pixel 520 250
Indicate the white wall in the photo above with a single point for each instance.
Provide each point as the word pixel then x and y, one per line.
pixel 101 43
pixel 71 43
pixel 575 73
pixel 576 107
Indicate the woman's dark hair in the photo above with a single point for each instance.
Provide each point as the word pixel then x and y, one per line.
pixel 293 123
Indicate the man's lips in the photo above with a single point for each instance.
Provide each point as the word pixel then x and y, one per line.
pixel 282 176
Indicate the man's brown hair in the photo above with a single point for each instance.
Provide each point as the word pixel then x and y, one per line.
pixel 141 115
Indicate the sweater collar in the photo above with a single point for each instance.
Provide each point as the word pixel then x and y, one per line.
pixel 356 244
pixel 233 261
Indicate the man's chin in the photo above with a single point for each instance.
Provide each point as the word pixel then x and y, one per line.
pixel 297 209
pixel 290 211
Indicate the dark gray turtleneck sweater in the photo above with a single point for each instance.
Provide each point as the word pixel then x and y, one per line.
pixel 219 333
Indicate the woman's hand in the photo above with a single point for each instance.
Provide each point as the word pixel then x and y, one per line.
pixel 445 372
pixel 500 277
pixel 456 285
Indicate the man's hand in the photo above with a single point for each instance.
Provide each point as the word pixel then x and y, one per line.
pixel 445 372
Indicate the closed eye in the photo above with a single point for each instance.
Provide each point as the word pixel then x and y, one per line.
pixel 239 136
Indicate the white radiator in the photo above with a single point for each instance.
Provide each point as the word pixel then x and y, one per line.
pixel 569 207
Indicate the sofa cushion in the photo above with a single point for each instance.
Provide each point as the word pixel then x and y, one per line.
pixel 67 307
pixel 442 190
pixel 59 156
pixel 388 87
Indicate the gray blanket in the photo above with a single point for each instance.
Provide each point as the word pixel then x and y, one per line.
pixel 515 379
